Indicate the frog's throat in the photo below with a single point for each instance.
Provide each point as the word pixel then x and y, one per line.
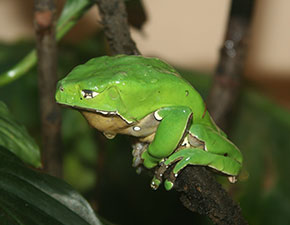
pixel 106 113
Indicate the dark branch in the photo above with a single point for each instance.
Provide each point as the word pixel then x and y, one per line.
pixel 115 22
pixel 200 191
pixel 44 19
pixel 228 75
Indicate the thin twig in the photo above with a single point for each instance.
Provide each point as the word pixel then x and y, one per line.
pixel 44 19
pixel 200 191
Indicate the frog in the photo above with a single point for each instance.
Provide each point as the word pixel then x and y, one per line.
pixel 147 98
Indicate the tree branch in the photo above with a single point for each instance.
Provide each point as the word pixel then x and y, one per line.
pixel 200 192
pixel 228 75
pixel 44 18
pixel 115 22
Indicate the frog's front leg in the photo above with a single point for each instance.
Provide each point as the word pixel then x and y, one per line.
pixel 173 125
pixel 217 152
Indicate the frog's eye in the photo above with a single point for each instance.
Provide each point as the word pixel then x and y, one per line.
pixel 87 94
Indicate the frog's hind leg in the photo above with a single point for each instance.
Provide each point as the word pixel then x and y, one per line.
pixel 199 157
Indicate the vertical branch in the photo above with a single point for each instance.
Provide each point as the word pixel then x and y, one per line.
pixel 44 19
pixel 115 22
pixel 228 75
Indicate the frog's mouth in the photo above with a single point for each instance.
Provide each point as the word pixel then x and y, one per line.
pixel 89 109
pixel 105 113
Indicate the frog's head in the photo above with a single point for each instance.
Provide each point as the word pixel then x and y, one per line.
pixel 90 87
pixel 113 84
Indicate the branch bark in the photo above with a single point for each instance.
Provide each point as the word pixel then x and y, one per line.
pixel 201 193
pixel 44 19
pixel 199 190
pixel 115 22
pixel 228 76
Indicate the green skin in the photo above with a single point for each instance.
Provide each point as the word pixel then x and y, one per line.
pixel 133 87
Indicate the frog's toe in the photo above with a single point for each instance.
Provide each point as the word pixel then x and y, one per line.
pixel 168 185
pixel 172 159
pixel 169 182
pixel 157 179
pixel 155 183
pixel 180 165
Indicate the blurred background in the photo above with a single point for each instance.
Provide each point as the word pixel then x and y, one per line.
pixel 188 34
pixel 201 26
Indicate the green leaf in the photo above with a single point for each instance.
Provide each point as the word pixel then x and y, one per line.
pixel 28 197
pixel 15 137
pixel 71 13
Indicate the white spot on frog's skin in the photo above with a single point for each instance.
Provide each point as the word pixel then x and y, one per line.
pixel 117 82
pixel 157 116
pixel 136 128
pixel 176 174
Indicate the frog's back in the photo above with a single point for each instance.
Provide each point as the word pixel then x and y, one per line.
pixel 153 83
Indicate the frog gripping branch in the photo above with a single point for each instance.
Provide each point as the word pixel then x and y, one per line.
pixel 148 99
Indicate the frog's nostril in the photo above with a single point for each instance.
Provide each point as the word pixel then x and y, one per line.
pixel 61 88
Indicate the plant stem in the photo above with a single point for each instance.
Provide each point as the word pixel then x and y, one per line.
pixel 72 12
pixel 44 19
pixel 228 76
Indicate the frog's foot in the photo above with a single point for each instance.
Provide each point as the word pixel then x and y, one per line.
pixel 158 176
pixel 138 149
pixel 197 156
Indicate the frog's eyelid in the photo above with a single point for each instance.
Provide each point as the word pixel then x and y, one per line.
pixel 87 94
